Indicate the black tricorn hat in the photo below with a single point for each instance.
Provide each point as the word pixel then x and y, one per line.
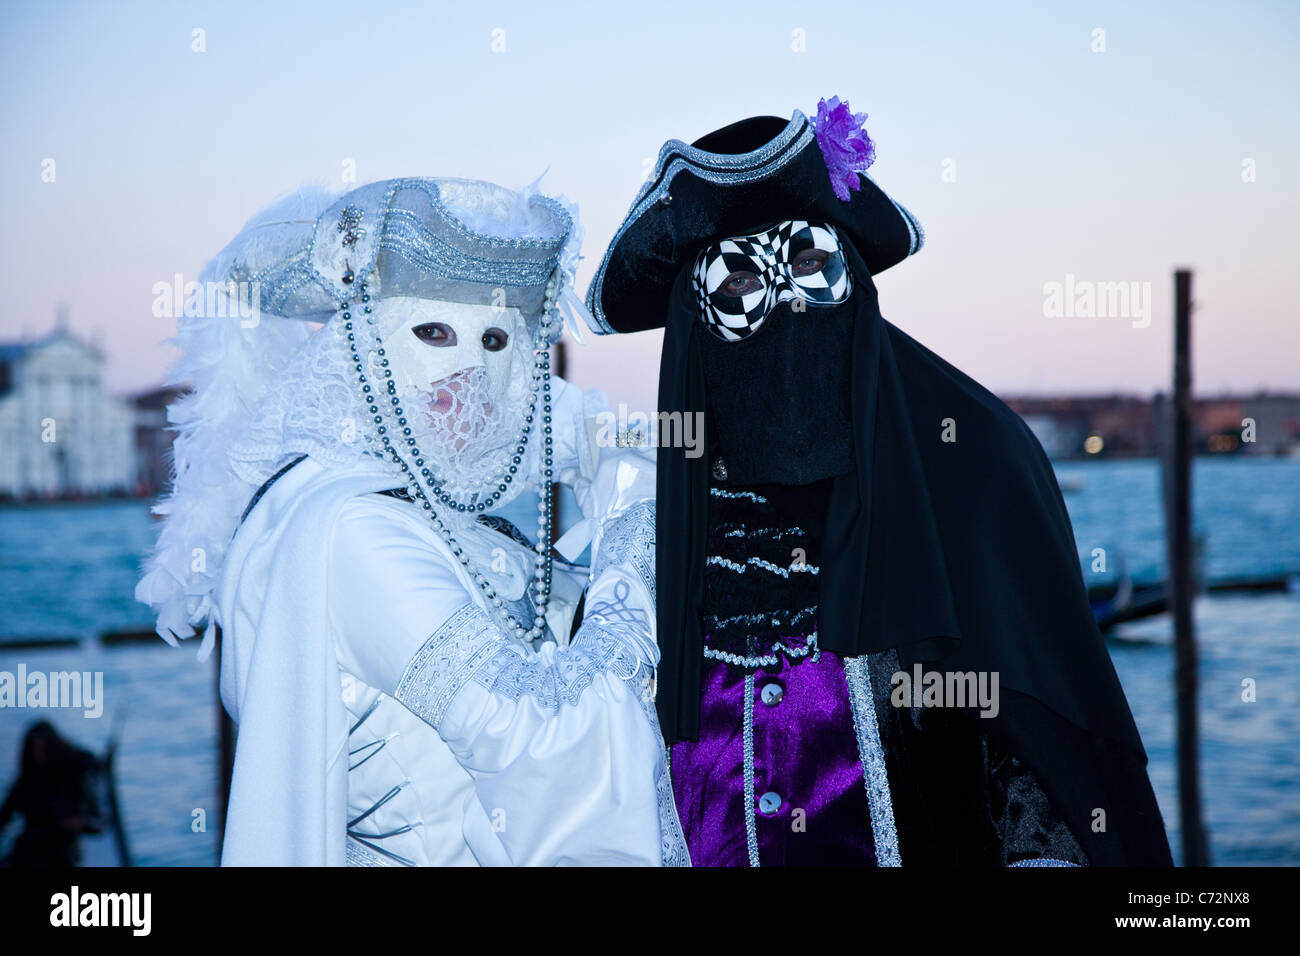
pixel 734 181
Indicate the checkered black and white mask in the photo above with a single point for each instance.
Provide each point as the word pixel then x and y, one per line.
pixel 739 281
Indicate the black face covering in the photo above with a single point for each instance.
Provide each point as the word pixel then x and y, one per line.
pixel 958 555
pixel 778 401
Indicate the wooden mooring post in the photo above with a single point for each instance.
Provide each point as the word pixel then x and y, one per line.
pixel 1178 535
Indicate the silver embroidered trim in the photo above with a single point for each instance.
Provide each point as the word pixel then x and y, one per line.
pixel 469 647
pixel 432 240
pixel 719 493
pixel 874 775
pixel 774 533
pixel 279 282
pixel 358 855
pixel 766 660
pixel 630 540
pixel 465 644
pixel 596 648
pixel 672 840
pixel 1043 861
pixel 751 825
pixel 766 619
pixel 915 234
pixel 406 235
pixel 799 568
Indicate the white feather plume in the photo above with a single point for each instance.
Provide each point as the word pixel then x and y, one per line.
pixel 228 368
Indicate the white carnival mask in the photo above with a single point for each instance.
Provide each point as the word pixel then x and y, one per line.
pixel 461 372
pixel 430 343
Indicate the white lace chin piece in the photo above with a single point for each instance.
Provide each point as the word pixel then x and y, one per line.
pixel 312 408
pixel 469 430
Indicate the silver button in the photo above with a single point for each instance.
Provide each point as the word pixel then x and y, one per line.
pixel 772 694
pixel 769 802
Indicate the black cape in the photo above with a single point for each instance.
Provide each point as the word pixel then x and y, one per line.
pixel 958 555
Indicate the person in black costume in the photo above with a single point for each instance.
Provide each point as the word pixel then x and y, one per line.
pixel 866 512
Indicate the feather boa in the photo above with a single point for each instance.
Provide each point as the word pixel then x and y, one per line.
pixel 228 368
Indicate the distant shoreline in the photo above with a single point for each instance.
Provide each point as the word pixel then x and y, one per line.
pixel 23 504
pixel 27 504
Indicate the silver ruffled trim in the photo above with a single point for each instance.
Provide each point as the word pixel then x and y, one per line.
pixel 469 647
pixel 874 775
pixel 514 672
pixel 766 660
pixel 756 498
pixel 751 825
pixel 915 233
pixel 763 565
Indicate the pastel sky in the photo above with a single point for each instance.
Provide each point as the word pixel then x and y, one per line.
pixel 1027 154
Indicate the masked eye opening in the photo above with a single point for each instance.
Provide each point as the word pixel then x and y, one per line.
pixel 437 334
pixel 494 339
pixel 740 282
pixel 810 262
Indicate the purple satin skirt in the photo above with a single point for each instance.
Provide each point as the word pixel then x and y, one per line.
pixel 809 802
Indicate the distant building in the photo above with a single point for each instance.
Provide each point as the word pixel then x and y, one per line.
pixel 1276 420
pixel 1060 437
pixel 1130 426
pixel 61 435
pixel 153 438
pixel 1118 425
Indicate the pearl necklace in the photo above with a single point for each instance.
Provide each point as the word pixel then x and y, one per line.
pixel 417 484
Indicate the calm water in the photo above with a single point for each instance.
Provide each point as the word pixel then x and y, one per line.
pixel 69 570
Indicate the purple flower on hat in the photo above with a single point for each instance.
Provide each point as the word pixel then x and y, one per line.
pixel 845 145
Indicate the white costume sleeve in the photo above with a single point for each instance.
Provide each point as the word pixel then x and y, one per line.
pixel 561 743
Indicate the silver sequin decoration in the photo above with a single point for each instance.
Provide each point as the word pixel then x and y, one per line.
pixel 751 824
pixel 766 660
pixel 799 568
pixel 630 540
pixel 874 775
pixel 358 855
pixel 1043 861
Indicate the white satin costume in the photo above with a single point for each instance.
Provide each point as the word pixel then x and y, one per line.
pixel 391 708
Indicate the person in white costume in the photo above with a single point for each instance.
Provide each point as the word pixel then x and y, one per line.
pixel 415 680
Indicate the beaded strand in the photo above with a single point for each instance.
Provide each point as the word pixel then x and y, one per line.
pixel 416 484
